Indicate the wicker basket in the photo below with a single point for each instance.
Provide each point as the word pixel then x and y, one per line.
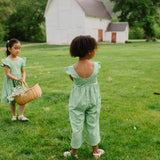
pixel 29 95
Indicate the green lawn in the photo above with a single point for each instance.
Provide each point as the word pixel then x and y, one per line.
pixel 130 113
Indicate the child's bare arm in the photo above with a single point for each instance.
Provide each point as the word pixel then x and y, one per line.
pixel 23 74
pixel 7 72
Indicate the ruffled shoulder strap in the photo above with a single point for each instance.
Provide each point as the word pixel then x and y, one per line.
pixel 5 62
pixel 70 71
pixel 97 67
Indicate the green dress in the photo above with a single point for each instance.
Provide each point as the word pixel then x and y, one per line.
pixel 15 70
pixel 84 107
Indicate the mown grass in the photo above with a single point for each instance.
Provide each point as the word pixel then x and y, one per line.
pixel 130 113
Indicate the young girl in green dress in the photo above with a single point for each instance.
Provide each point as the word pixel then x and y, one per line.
pixel 14 75
pixel 85 99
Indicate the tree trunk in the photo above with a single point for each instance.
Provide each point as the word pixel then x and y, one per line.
pixel 149 38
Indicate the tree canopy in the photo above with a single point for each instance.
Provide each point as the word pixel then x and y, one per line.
pixel 22 19
pixel 6 9
pixel 27 20
pixel 140 13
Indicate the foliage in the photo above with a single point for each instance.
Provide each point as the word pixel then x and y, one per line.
pixel 109 5
pixel 6 8
pixel 2 32
pixel 129 119
pixel 142 13
pixel 136 33
pixel 114 19
pixel 22 19
pixel 27 21
pixel 157 29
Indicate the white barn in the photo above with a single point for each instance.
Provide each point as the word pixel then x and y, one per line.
pixel 66 19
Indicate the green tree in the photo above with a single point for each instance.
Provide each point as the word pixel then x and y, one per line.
pixel 6 9
pixel 26 22
pixel 139 13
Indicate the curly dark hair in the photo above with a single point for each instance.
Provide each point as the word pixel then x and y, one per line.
pixel 82 45
pixel 10 44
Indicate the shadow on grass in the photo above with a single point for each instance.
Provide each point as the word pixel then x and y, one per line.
pixel 54 97
pixel 154 107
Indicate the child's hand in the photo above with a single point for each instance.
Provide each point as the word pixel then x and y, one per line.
pixel 21 80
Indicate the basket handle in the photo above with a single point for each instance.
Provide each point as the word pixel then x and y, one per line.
pixel 24 84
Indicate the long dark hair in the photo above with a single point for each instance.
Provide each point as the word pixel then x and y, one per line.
pixel 10 44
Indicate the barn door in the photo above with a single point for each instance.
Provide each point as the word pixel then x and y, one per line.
pixel 100 35
pixel 113 37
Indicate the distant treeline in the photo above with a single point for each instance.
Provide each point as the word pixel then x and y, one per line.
pixel 23 19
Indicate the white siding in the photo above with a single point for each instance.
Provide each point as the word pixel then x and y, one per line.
pixel 121 37
pixel 108 36
pixel 93 24
pixel 64 21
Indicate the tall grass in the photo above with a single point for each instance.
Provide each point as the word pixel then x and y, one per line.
pixel 130 113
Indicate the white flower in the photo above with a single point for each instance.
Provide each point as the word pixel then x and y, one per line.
pixel 134 128
pixel 16 91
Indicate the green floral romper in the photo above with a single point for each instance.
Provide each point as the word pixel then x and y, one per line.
pixel 84 107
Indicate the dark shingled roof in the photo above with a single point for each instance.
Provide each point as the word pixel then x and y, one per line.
pixel 94 8
pixel 117 26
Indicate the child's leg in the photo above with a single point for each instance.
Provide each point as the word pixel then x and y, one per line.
pixel 97 153
pixel 77 127
pixel 92 125
pixel 95 149
pixel 21 109
pixel 13 109
pixel 73 151
pixel 77 131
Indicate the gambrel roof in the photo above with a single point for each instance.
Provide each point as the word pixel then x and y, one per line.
pixel 94 8
pixel 117 26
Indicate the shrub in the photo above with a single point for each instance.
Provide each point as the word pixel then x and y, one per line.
pixel 136 33
pixel 2 32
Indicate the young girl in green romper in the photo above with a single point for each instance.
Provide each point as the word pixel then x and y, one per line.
pixel 14 75
pixel 85 99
